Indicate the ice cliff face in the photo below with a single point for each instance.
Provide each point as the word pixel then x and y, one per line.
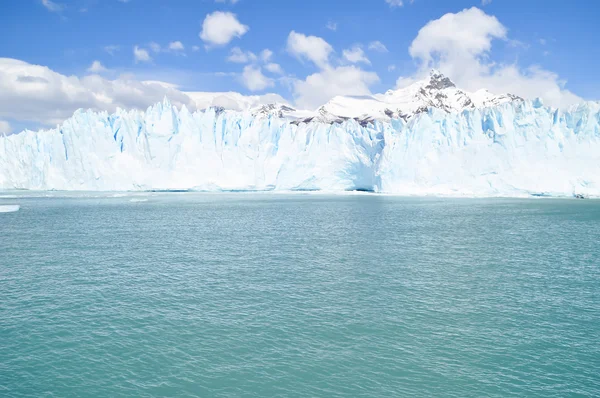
pixel 506 147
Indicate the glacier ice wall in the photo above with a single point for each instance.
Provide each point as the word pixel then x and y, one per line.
pixel 514 149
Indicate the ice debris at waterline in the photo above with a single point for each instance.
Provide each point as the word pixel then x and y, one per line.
pixel 514 148
pixel 9 208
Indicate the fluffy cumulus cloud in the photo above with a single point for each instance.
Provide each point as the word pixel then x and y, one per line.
pixel 97 67
pixel 266 55
pixel 239 56
pixel 219 28
pixel 252 76
pixel 311 48
pixel 254 79
pixel 355 55
pixel 459 45
pixel 141 55
pixel 320 87
pixel 274 68
pixel 456 38
pixel 34 94
pixel 176 46
pixel 38 94
pixel 331 80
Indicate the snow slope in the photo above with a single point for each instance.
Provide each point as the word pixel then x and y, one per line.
pixel 436 91
pixel 492 146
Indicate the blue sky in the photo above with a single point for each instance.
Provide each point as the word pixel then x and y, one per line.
pixel 68 35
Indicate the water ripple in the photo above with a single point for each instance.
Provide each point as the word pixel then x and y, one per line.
pixel 259 295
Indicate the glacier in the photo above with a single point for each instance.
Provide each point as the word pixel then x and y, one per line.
pixel 516 148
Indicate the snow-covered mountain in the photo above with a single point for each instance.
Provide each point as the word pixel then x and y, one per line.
pixel 437 91
pixel 428 138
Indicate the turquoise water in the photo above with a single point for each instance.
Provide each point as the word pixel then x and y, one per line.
pixel 259 295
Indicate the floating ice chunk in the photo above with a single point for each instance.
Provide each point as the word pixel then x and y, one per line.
pixel 9 208
pixel 134 200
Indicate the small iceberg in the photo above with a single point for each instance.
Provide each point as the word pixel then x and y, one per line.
pixel 138 200
pixel 9 208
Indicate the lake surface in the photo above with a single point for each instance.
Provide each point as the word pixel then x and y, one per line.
pixel 261 295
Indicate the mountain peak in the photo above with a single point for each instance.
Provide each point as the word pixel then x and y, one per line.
pixel 438 81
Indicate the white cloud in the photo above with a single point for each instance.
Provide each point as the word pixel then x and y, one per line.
pixel 313 48
pixel 252 76
pixel 5 127
pixel 355 55
pixel 459 45
pixel 195 48
pixel 97 67
pixel 266 55
pixel 486 2
pixel 240 56
pixel 254 79
pixel 176 46
pixel 38 94
pixel 237 55
pixel 274 68
pixel 332 25
pixel 457 37
pixel 391 68
pixel 227 1
pixel 330 81
pixel 320 87
pixel 141 55
pixel 52 6
pixel 378 46
pixel 219 28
